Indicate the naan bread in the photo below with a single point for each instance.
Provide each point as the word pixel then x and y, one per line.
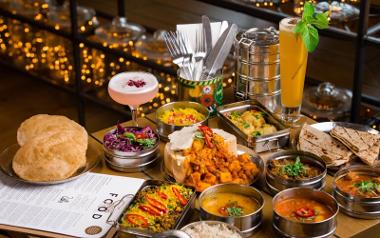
pixel 48 158
pixel 50 124
pixel 323 145
pixel 52 148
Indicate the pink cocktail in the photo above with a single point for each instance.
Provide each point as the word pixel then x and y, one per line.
pixel 133 89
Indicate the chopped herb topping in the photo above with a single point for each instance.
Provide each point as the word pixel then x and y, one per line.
pixel 367 186
pixel 256 133
pixel 294 169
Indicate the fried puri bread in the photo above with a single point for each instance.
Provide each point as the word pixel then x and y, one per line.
pixel 53 148
pixel 51 157
pixel 43 124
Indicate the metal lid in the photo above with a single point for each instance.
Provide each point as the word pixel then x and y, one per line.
pixel 119 31
pixel 257 40
pixel 326 101
pixel 258 46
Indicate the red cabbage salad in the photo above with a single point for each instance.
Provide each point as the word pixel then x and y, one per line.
pixel 130 139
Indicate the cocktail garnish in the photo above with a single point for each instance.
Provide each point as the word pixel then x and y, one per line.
pixel 136 83
pixel 308 25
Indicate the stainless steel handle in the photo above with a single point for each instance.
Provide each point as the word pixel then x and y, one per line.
pixel 269 142
pixel 117 206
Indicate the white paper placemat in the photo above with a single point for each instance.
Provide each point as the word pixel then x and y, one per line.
pixel 77 208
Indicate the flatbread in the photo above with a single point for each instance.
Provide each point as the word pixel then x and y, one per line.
pixel 370 156
pixel 323 145
pixel 364 144
pixel 43 124
pixel 350 138
pixel 48 158
pixel 331 159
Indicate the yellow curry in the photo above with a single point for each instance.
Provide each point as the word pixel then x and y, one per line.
pixel 181 116
pixel 229 204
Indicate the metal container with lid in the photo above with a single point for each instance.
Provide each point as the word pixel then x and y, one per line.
pixel 258 66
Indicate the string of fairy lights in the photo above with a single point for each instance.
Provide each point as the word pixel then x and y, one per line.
pixel 44 53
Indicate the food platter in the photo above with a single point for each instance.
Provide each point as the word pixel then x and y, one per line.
pixel 7 155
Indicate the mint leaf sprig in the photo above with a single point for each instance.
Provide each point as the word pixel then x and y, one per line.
pixel 309 24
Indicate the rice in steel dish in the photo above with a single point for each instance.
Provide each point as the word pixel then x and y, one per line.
pixel 204 230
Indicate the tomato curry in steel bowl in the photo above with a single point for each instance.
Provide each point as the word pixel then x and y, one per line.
pixel 295 209
pixel 357 190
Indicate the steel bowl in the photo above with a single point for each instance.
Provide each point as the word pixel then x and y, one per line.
pixel 276 184
pixel 131 161
pixel 247 224
pixel 355 206
pixel 288 228
pixel 164 129
pixel 229 226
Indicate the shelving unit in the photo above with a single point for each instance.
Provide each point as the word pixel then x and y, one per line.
pixel 361 38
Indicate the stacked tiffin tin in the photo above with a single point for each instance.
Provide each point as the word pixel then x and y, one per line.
pixel 258 66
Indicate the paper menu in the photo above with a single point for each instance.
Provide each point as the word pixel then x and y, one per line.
pixel 77 208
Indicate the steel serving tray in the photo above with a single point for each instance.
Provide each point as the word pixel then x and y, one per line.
pixel 147 233
pixel 262 143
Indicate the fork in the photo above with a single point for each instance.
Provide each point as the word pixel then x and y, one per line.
pixel 181 55
pixel 199 53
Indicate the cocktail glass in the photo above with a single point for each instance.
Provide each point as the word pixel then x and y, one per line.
pixel 293 61
pixel 133 89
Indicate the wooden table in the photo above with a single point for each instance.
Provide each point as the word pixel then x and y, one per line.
pixel 347 226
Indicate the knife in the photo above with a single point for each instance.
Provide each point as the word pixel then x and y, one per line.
pixel 207 33
pixel 219 53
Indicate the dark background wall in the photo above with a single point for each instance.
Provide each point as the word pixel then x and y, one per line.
pixel 333 60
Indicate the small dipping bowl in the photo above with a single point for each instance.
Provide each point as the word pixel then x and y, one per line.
pixel 356 206
pixel 164 129
pixel 131 161
pixel 247 224
pixel 211 223
pixel 288 228
pixel 276 184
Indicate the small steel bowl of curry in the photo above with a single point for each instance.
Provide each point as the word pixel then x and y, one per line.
pixel 176 115
pixel 357 191
pixel 291 168
pixel 304 213
pixel 235 204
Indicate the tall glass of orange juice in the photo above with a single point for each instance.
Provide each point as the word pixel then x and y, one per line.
pixel 293 61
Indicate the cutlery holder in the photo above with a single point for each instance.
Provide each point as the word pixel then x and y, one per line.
pixel 258 67
pixel 209 92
